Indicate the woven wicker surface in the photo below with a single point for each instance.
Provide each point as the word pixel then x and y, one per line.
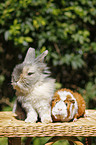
pixel 11 127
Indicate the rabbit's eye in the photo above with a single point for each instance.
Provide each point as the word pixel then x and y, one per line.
pixel 30 73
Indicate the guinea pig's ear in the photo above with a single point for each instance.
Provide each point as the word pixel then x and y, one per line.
pixel 53 99
pixel 73 101
pixel 53 102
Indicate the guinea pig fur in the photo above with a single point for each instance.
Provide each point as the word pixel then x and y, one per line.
pixel 67 105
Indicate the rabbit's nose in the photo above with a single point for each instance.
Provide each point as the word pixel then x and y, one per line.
pixel 59 109
pixel 21 76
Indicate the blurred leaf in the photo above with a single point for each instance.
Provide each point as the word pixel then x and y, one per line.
pixel 7 108
pixel 28 39
pixel 6 35
pixel 3 140
pixel 58 85
pixel 2 78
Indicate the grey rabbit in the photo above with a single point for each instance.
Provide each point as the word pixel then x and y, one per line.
pixel 34 87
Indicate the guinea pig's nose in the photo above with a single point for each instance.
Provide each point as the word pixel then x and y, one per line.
pixel 59 109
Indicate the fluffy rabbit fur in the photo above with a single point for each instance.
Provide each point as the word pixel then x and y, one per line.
pixel 34 88
pixel 67 105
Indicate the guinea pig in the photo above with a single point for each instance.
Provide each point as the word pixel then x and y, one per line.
pixel 67 105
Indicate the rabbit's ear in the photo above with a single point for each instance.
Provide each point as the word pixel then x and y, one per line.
pixel 40 58
pixel 30 56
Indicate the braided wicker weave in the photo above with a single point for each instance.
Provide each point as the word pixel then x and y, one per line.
pixel 11 127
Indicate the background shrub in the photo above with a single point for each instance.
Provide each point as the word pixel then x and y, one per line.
pixel 67 29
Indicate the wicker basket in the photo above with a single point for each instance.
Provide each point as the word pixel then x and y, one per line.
pixel 11 127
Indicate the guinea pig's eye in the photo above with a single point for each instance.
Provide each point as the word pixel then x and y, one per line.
pixel 30 73
pixel 56 102
pixel 66 104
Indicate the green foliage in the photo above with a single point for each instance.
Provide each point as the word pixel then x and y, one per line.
pixel 43 140
pixel 7 108
pixel 39 141
pixel 66 28
pixel 61 142
pixel 3 140
pixel 2 78
pixel 89 94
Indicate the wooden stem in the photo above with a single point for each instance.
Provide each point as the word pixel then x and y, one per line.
pixel 71 143
pixel 28 141
pixel 14 141
pixel 88 140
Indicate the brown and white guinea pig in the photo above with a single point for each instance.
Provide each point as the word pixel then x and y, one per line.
pixel 67 105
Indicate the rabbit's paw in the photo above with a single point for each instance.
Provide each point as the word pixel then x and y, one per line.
pixel 46 119
pixel 30 120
